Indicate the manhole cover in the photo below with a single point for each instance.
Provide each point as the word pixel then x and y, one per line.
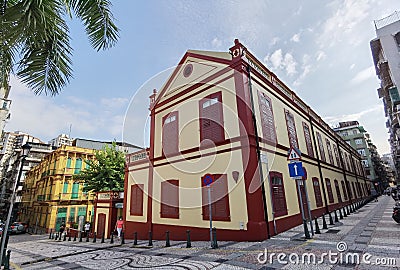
pixel 332 231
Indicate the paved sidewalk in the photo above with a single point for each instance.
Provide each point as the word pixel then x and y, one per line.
pixel 370 230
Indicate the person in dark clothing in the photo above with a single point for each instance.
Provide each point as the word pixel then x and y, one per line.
pixel 62 228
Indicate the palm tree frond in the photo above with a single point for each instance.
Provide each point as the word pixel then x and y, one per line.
pixel 98 20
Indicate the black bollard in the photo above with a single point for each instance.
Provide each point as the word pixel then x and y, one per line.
pixel 74 237
pixel 340 213
pixel 150 239
pixel 53 235
pixel 347 209
pixel 336 217
pixel 317 231
pixel 102 237
pixel 87 237
pixel 167 243
pixel 351 208
pixel 135 239
pixel 7 260
pixel 324 226
pixel 188 242
pixel 306 231
pixel 112 238
pixel 80 236
pixel 330 219
pixel 122 238
pixel 51 231
pixel 69 236
pixel 56 237
pixel 94 237
pixel 214 242
pixel 65 237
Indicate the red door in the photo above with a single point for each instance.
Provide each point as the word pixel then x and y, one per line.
pixel 101 224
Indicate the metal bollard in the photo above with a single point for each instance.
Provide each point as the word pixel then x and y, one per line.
pixel 317 231
pixel 330 219
pixel 7 262
pixel 340 213
pixel 112 238
pixel 150 239
pixel 80 236
pixel 135 238
pixel 94 237
pixel 51 231
pixel 87 237
pixel 69 236
pixel 336 217
pixel 102 237
pixel 188 242
pixel 122 238
pixel 214 234
pixel 167 243
pixel 56 237
pixel 306 231
pixel 324 225
pixel 344 212
pixel 65 237
pixel 74 237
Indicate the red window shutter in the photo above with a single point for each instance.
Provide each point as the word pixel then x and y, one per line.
pixel 267 117
pixel 344 191
pixel 307 136
pixel 329 190
pixel 335 150
pixel 278 194
pixel 328 146
pixel 170 134
pixel 317 191
pixel 219 199
pixel 211 118
pixel 321 147
pixel 338 191
pixel 137 200
pixel 170 199
pixel 354 190
pixel 291 129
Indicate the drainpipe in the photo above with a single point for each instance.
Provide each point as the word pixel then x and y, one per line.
pixel 259 154
pixel 319 164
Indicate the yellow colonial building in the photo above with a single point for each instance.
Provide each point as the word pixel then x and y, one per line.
pixel 51 196
pixel 221 129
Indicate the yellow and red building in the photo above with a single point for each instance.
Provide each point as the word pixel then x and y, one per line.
pixel 224 114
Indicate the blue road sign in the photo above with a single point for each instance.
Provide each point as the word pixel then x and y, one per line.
pixel 296 169
pixel 208 179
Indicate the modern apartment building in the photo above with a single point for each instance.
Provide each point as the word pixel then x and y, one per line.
pixel 386 57
pixel 5 104
pixel 62 139
pixel 221 131
pixel 356 136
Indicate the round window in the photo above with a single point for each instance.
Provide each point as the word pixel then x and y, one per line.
pixel 188 70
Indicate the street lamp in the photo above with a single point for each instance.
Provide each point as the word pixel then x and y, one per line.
pixel 4 239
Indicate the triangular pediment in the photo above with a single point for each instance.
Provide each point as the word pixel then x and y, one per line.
pixel 196 66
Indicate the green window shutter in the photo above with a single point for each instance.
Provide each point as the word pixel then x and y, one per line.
pixel 75 191
pixel 65 188
pixel 69 161
pixel 82 211
pixel 87 164
pixel 62 212
pixel 71 214
pixel 78 165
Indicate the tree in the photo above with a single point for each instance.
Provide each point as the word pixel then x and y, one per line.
pixel 35 40
pixel 105 172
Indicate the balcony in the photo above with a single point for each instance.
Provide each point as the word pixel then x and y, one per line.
pixel 75 196
pixel 384 71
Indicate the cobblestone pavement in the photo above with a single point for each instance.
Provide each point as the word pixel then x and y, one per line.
pixel 369 232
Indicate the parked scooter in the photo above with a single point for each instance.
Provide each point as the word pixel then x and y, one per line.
pixel 396 212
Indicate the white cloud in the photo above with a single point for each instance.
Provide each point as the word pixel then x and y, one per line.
pixel 352 66
pixel 295 37
pixel 363 75
pixel 216 43
pixel 274 41
pixel 333 120
pixel 320 55
pixel 283 62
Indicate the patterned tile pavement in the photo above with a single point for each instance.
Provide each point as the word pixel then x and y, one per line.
pixel 369 232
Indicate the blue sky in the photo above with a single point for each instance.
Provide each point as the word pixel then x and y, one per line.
pixel 320 49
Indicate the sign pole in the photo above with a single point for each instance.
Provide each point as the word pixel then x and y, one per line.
pixel 210 213
pixel 309 209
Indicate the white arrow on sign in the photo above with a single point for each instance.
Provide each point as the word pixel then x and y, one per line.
pixel 295 169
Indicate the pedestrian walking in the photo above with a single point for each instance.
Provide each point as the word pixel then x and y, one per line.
pixel 119 226
pixel 87 228
pixel 62 228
